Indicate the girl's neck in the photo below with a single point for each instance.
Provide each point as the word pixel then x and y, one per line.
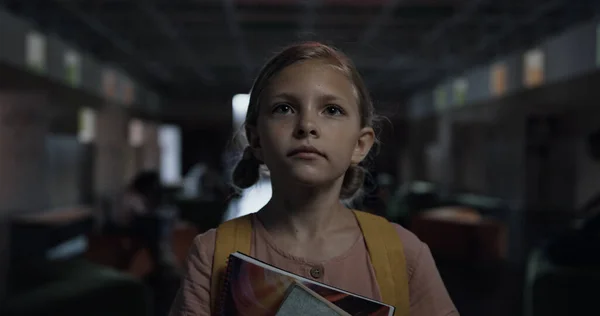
pixel 305 213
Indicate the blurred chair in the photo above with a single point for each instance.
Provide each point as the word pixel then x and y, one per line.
pixel 563 274
pixel 461 234
pixel 48 276
pixel 412 198
pixel 74 287
pixel 552 289
pixel 486 205
pixel 127 254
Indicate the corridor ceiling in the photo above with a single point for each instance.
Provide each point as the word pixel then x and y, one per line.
pixel 191 48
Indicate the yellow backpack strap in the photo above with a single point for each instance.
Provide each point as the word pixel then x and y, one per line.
pixel 387 257
pixel 234 235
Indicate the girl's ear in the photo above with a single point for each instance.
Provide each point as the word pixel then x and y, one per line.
pixel 363 145
pixel 254 141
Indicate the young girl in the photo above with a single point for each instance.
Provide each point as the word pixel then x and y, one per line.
pixel 310 121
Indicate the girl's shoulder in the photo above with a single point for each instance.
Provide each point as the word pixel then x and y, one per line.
pixel 413 247
pixel 207 239
pixel 203 248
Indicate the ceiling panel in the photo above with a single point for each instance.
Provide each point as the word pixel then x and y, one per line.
pixel 193 47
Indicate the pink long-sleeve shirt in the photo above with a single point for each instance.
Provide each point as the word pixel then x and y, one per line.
pixel 351 271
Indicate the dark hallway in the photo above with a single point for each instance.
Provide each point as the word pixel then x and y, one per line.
pixel 121 123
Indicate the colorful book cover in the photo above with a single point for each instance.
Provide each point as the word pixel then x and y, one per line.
pixel 255 288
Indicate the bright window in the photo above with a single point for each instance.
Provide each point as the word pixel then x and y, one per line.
pixel 169 137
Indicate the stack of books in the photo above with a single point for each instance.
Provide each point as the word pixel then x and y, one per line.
pixel 255 288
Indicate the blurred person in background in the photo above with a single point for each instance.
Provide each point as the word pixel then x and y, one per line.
pixel 146 217
pixel 580 246
pixel 204 181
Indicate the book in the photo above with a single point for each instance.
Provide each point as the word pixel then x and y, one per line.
pixel 253 287
pixel 300 301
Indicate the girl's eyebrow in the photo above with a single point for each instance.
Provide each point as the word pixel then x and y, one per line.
pixel 286 96
pixel 322 98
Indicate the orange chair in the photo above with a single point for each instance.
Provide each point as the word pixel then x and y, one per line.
pixel 462 234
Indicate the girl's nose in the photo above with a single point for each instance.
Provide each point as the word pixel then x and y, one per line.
pixel 306 127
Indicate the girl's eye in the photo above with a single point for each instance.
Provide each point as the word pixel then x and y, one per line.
pixel 334 110
pixel 283 109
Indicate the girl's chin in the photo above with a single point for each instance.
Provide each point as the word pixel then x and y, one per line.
pixel 310 179
pixel 307 175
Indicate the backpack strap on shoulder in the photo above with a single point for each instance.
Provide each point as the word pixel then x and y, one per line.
pixel 234 235
pixel 387 257
pixel 384 246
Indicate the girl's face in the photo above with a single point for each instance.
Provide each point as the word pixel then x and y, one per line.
pixel 308 129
